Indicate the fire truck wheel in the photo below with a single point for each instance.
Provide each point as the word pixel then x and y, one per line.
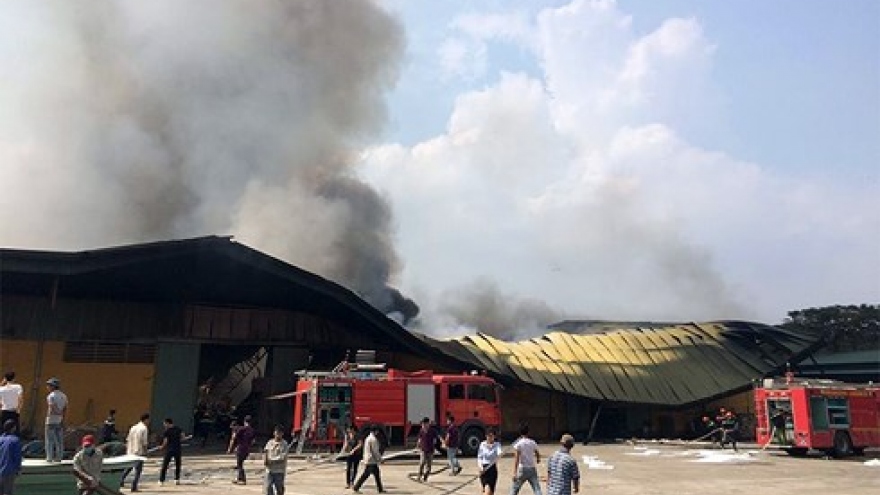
pixel 470 441
pixel 842 444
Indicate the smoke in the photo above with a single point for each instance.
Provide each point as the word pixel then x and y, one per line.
pixel 136 121
pixel 482 306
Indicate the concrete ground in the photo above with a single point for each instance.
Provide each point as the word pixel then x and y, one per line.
pixel 614 469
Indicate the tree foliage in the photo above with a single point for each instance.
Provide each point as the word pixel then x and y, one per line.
pixel 848 328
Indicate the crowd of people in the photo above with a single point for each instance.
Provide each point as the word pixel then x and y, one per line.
pixel 87 462
pixel 361 449
pixel 563 476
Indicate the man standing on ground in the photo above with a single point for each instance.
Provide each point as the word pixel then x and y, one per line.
pixel 56 409
pixel 241 441
pixel 11 395
pixel 10 457
pixel 136 444
pixel 372 459
pixel 563 476
pixel 171 440
pixel 427 444
pixel 275 460
pixel 450 441
pixel 353 448
pixel 525 462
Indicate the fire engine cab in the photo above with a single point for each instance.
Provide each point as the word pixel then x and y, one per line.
pixel 798 414
pixel 325 403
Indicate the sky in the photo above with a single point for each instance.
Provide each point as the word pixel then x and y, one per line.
pixel 501 164
pixel 677 160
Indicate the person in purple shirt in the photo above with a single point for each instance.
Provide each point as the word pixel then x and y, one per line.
pixel 427 444
pixel 450 441
pixel 10 456
pixel 242 440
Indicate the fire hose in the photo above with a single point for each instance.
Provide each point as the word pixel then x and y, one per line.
pixel 707 435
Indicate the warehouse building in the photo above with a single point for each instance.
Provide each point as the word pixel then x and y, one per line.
pixel 167 326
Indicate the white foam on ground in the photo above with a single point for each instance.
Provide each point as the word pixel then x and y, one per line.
pixel 594 462
pixel 720 456
pixel 645 452
pixel 873 463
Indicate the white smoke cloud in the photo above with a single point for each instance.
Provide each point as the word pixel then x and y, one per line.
pixel 580 186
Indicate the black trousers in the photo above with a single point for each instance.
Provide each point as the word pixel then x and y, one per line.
pixel 166 459
pixel 368 470
pixel 240 457
pixel 351 468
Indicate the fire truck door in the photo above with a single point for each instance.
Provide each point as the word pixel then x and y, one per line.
pixel 420 400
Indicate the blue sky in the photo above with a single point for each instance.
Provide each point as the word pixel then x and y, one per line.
pixel 767 116
pixel 514 161
pixel 790 74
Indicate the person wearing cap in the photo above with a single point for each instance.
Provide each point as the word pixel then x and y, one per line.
pixel 11 399
pixel 56 409
pixel 10 456
pixel 241 441
pixel 87 466
pixel 729 430
pixel 563 476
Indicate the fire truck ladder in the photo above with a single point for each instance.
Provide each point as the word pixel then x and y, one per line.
pixel 311 405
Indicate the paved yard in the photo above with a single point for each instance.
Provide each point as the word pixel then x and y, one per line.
pixel 618 469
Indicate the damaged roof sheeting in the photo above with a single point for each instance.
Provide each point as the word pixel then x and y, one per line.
pixel 673 365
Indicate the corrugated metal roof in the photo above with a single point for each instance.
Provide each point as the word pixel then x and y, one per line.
pixel 673 365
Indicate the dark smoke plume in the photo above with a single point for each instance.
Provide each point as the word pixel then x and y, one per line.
pixel 138 121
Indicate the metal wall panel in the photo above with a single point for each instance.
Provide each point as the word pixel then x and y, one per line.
pixel 175 385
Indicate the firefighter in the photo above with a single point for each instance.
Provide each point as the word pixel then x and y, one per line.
pixel 710 429
pixel 729 430
pixel 778 420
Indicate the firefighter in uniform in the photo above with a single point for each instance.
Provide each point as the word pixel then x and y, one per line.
pixel 729 430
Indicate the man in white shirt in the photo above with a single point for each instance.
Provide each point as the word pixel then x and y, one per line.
pixel 11 394
pixel 275 461
pixel 136 444
pixel 372 459
pixel 525 463
pixel 56 410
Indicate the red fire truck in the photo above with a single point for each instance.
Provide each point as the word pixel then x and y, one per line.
pixel 365 395
pixel 798 414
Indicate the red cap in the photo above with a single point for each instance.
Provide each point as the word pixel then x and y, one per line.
pixel 88 440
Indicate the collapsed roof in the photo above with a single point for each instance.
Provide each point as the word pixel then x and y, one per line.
pixel 673 365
